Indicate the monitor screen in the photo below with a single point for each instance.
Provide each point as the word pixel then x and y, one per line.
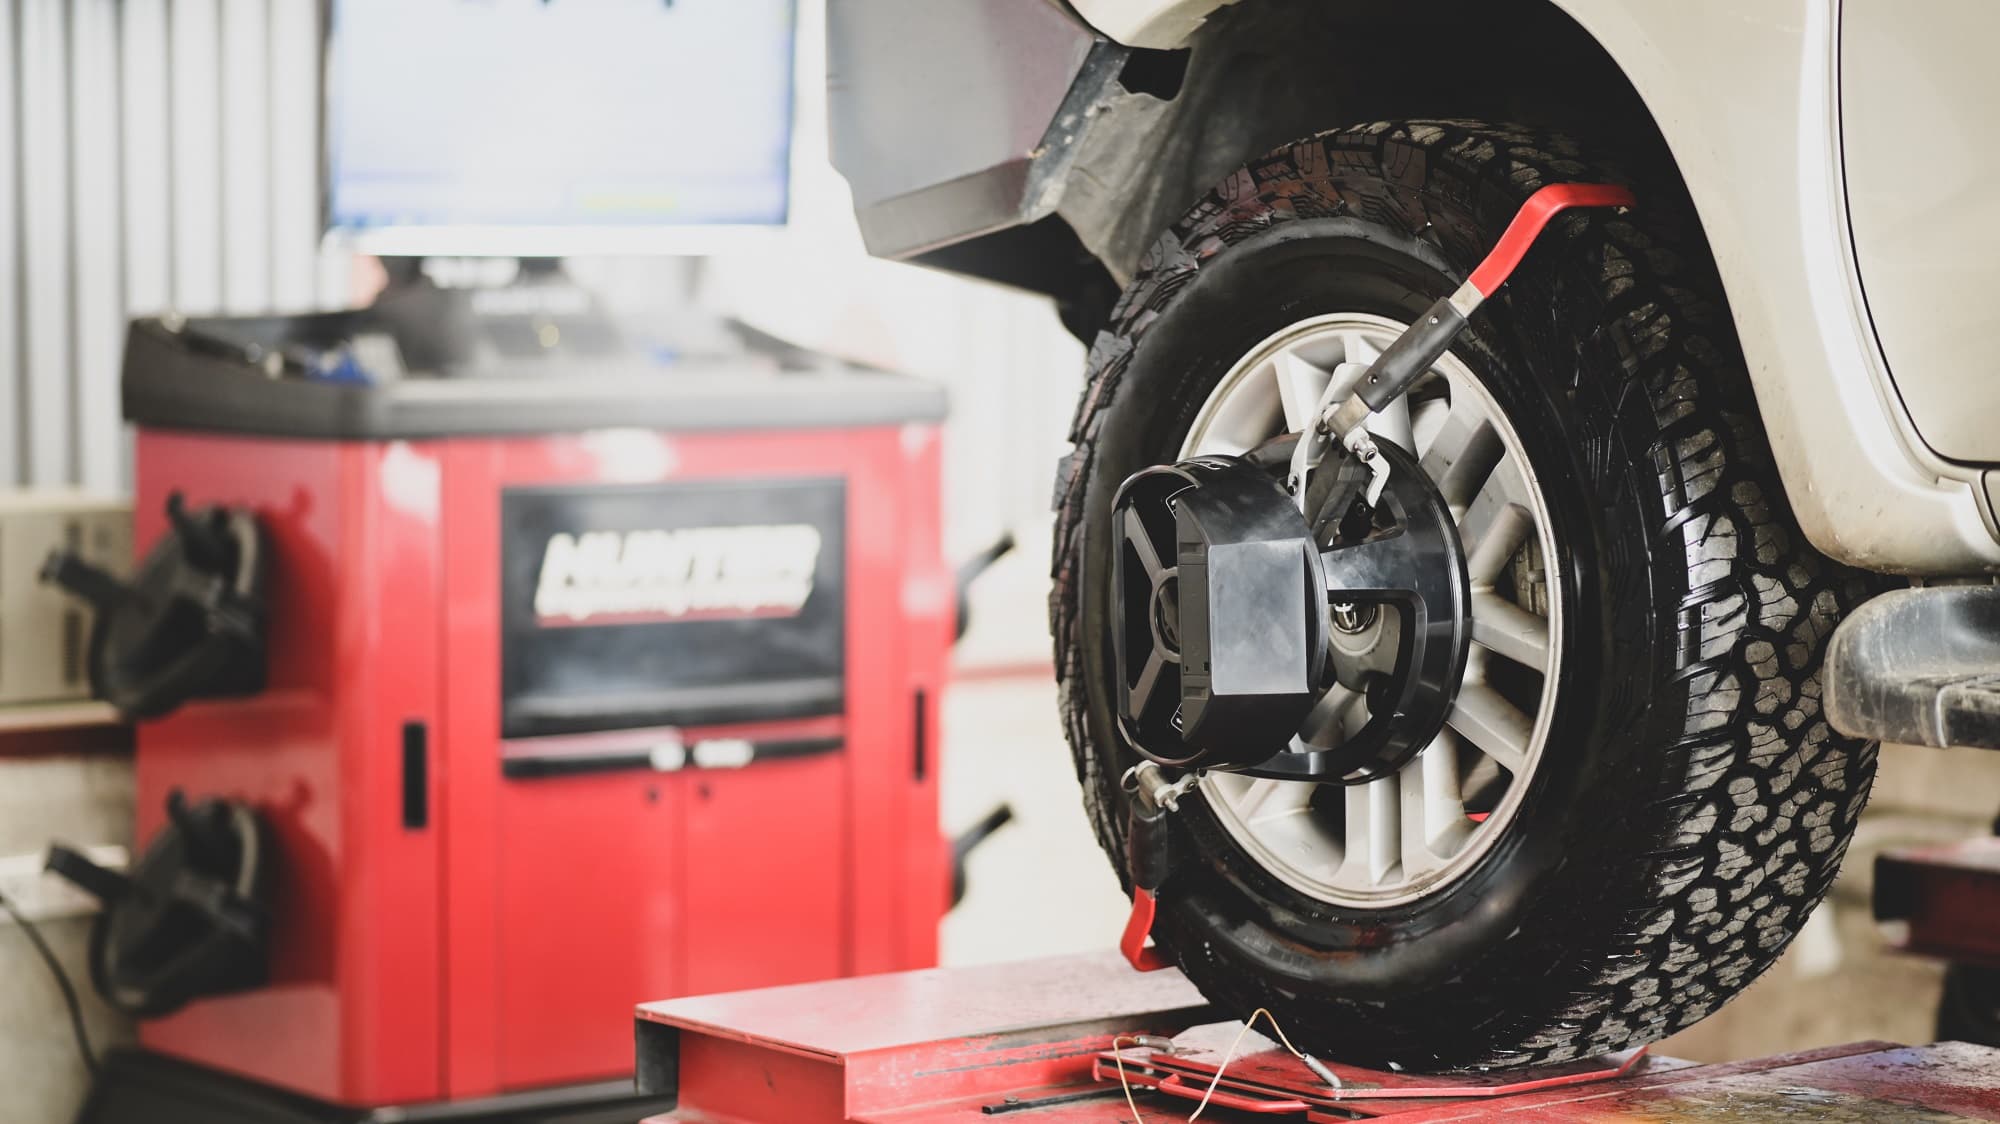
pixel 550 127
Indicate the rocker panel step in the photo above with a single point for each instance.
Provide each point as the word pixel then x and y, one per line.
pixel 1919 666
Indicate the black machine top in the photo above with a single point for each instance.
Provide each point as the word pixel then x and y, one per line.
pixel 305 376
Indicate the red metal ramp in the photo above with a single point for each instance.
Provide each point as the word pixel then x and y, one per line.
pixel 1034 1042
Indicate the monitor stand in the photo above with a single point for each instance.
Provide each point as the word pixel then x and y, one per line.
pixel 450 315
pixel 534 317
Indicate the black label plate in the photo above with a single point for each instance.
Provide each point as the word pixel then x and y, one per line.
pixel 673 604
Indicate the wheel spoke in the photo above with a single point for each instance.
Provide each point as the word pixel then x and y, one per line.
pixel 1504 535
pixel 1434 824
pixel 1509 630
pixel 1248 418
pixel 1463 456
pixel 1444 797
pixel 1328 722
pixel 1356 839
pixel 1142 544
pixel 1374 832
pixel 1413 847
pixel 1265 799
pixel 1300 384
pixel 1497 727
pixel 1287 824
pixel 1356 347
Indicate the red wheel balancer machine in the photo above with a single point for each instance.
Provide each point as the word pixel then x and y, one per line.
pixel 577 692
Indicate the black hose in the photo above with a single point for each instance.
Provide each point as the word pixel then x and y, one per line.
pixel 56 969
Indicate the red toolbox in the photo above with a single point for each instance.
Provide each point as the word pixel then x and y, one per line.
pixel 578 691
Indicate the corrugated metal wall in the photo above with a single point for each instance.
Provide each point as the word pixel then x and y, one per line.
pixel 154 154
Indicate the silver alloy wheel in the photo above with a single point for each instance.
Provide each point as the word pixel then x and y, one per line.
pixel 1398 838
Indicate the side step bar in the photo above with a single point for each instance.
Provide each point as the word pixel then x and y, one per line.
pixel 1919 666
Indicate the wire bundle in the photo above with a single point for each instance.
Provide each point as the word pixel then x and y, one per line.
pixel 1312 1063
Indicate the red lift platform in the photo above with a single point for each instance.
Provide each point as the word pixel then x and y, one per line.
pixel 1947 897
pixel 1042 1042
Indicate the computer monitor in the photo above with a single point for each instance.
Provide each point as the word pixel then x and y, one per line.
pixel 548 128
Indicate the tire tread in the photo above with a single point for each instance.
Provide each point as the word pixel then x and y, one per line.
pixel 1754 800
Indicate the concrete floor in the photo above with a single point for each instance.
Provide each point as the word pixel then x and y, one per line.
pixel 1042 887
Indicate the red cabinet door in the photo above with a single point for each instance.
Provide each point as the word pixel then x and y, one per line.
pixel 590 920
pixel 766 872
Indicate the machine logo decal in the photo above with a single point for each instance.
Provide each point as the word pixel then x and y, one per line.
pixel 688 573
pixel 681 603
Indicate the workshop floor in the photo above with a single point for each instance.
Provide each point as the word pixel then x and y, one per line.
pixel 1041 886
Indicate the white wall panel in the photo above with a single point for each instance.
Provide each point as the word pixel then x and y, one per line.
pixel 295 213
pixel 154 155
pixel 145 140
pixel 45 250
pixel 246 156
pixel 195 100
pixel 13 387
pixel 98 303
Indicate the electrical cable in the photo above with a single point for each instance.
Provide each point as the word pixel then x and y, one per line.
pixel 61 975
pixel 1118 1056
pixel 1312 1063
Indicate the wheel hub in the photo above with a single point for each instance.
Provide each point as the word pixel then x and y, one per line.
pixel 1225 651
pixel 1399 836
pixel 1353 620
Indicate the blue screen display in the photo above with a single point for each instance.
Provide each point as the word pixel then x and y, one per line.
pixel 558 113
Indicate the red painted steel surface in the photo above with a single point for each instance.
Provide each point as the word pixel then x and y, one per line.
pixel 351 1011
pixel 1947 896
pixel 1865 1081
pixel 950 1046
pixel 870 1048
pixel 502 946
pixel 1260 1065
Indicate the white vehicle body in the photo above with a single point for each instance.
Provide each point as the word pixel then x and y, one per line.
pixel 1226 197
pixel 1828 145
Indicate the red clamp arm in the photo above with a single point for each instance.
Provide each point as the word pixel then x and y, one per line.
pixel 1413 352
pixel 1528 222
pixel 1142 954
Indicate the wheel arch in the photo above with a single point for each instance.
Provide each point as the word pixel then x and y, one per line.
pixel 1731 112
pixel 1255 74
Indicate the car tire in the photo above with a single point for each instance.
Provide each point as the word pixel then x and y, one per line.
pixel 1691 805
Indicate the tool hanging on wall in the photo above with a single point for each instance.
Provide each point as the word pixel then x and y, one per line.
pixel 190 919
pixel 189 624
